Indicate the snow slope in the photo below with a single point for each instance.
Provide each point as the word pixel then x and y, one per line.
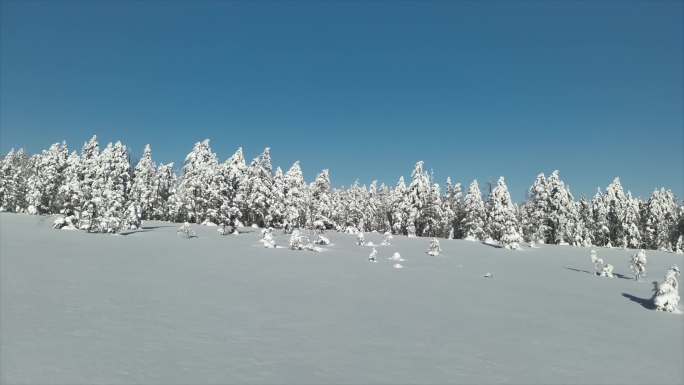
pixel 153 308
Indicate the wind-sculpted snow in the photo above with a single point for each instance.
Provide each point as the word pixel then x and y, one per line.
pixel 151 307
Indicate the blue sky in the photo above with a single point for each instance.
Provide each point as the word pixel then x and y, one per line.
pixel 475 89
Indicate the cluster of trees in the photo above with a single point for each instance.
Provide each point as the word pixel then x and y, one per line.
pixel 100 191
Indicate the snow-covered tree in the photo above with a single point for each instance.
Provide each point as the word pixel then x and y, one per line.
pixel 165 188
pixel 47 178
pixel 502 221
pixel 373 257
pixel 630 222
pixel 666 297
pixel 16 171
pixel 186 231
pixel 400 208
pixel 616 201
pixel 434 248
pixel 536 211
pixel 599 209
pixel 321 200
pixel 279 208
pixel 562 214
pixel 193 198
pixel 267 238
pixel 474 214
pixel 601 268
pixel 638 264
pixel 295 197
pixel 660 220
pixel 144 189
pixel 234 172
pixel 259 190
pixel 110 190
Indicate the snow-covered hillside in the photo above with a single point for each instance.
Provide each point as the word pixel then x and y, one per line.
pixel 151 307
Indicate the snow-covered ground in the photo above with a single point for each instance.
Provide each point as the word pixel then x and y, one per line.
pixel 153 308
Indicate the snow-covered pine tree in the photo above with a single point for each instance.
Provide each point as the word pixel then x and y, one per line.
pixel 90 153
pixel 452 210
pixel 259 189
pixel 616 200
pixel 295 197
pixel 630 222
pixel 599 209
pixel 583 233
pixel 434 249
pixel 144 188
pixel 400 207
pixel 69 192
pixel 660 220
pixel 433 217
pixel 110 190
pixel 354 200
pixel 418 195
pixel 562 214
pixel 165 187
pixel 638 264
pixel 16 171
pixel 321 205
pixel 501 217
pixel 193 198
pixel 474 214
pixel 46 179
pixel 235 173
pixel 537 210
pixel 666 296
pixel 278 208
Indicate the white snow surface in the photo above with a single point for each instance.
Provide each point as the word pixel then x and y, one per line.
pixel 154 308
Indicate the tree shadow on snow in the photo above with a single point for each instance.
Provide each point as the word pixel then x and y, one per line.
pixel 645 302
pixel 156 227
pixel 618 275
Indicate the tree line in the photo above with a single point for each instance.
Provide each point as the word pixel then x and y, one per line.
pixel 100 191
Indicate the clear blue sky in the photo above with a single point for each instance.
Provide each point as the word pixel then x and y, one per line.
pixel 475 89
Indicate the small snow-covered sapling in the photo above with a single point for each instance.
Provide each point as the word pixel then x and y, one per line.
pixel 186 231
pixel 267 238
pixel 360 239
pixel 387 239
pixel 434 248
pixel 373 256
pixel 666 297
pixel 638 264
pixel 601 268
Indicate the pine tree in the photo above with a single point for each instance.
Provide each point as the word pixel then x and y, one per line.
pixel 562 214
pixel 69 192
pixel 193 199
pixel 616 200
pixel 501 217
pixel 631 222
pixel 537 229
pixel 144 189
pixel 295 197
pixel 235 173
pixel 165 187
pixel 400 208
pixel 110 190
pixel 660 220
pixel 258 191
pixel 474 214
pixel 418 195
pixel 600 229
pixel 16 171
pixel 666 297
pixel 321 201
pixel 47 178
